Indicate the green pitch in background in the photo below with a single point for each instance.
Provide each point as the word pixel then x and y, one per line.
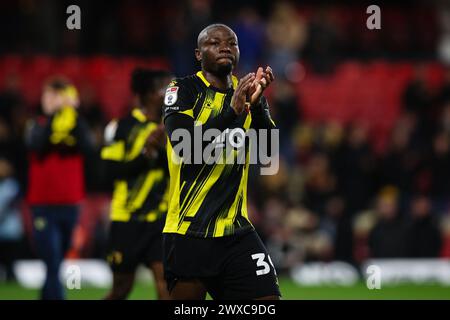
pixel 289 289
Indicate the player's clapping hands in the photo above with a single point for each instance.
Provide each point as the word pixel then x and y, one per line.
pixel 250 89
pixel 262 80
pixel 239 99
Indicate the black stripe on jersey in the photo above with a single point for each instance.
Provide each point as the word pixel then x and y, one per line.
pixel 136 185
pixel 216 200
pixel 198 185
pixel 224 99
pixel 153 199
pixel 190 173
pixel 206 102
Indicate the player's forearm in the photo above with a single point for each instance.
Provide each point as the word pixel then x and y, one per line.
pixel 128 169
pixel 261 118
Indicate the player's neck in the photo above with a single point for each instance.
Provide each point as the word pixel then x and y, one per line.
pixel 220 82
pixel 150 113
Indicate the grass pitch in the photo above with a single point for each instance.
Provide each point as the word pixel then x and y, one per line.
pixel 289 289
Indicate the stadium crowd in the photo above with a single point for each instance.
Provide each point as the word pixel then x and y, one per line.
pixel 336 197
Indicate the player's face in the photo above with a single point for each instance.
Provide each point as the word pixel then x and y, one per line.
pixel 155 99
pixel 51 100
pixel 219 52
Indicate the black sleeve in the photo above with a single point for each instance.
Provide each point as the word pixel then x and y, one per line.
pixel 127 169
pixel 37 135
pixel 113 154
pixel 261 118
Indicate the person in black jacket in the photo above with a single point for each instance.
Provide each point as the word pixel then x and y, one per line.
pixel 423 238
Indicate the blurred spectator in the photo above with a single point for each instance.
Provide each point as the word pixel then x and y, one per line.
pixel 12 165
pixel 183 25
pixel 301 239
pixel 440 166
pixel 10 98
pixel 284 107
pixel 355 166
pixel 423 239
pixel 445 229
pixel 336 224
pixel 250 31
pixel 444 119
pixel 417 99
pixel 11 229
pixel 443 47
pixel 57 143
pixel 322 49
pixel 362 226
pixel 387 239
pixel 320 183
pixel 286 35
pixel 443 96
pixel 402 160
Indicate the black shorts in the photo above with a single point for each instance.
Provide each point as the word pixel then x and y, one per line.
pixel 132 243
pixel 230 267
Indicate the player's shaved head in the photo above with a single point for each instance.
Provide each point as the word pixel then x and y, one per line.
pixel 218 49
pixel 204 33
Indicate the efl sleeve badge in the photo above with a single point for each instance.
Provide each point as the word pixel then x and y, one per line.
pixel 171 96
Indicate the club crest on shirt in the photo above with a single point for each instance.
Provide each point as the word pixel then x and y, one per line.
pixel 171 96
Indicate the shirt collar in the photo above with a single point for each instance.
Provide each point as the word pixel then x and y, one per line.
pixel 206 82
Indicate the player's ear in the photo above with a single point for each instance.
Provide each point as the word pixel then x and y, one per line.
pixel 198 55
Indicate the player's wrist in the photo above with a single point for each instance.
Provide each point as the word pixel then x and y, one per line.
pixel 149 152
pixel 257 106
pixel 235 111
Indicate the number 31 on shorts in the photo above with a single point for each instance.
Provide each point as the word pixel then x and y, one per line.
pixel 261 262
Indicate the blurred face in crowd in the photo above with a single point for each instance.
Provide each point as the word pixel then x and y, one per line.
pixel 51 100
pixel 445 117
pixel 4 131
pixel 335 207
pixel 441 144
pixel 218 50
pixel 6 169
pixel 153 100
pixel 358 135
pixel 387 207
pixel 421 207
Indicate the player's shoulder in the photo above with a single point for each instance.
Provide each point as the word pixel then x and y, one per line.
pixel 187 81
pixel 186 85
pixel 181 93
pixel 118 128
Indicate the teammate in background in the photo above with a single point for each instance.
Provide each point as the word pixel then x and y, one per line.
pixel 209 243
pixel 135 158
pixel 58 142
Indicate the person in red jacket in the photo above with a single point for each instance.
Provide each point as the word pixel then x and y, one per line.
pixel 58 142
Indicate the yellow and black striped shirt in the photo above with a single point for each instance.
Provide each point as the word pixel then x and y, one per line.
pixel 140 185
pixel 207 200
